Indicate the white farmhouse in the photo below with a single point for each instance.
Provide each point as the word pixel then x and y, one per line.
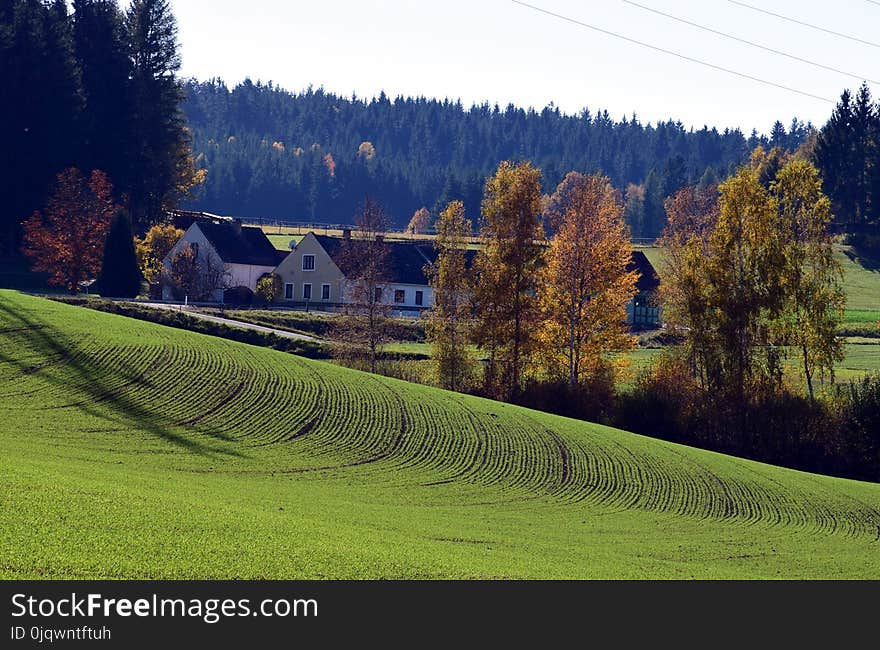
pixel 313 273
pixel 244 252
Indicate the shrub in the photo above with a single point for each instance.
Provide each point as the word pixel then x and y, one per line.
pixel 269 288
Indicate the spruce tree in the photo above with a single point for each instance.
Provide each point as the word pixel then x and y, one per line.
pixel 41 103
pixel 120 276
pixel 99 39
pixel 834 158
pixel 159 138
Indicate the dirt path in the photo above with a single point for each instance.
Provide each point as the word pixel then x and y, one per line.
pixel 229 321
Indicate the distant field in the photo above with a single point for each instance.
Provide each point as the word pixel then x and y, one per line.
pixel 281 237
pixel 132 450
pixel 862 285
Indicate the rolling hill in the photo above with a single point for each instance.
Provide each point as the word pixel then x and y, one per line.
pixel 132 450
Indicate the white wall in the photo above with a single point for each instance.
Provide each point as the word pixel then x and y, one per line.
pixel 239 275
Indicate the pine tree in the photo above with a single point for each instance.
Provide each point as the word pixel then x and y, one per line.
pixel 40 107
pixel 835 160
pixel 120 276
pixel 101 51
pixel 159 147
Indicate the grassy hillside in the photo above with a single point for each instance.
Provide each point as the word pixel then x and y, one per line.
pixel 128 449
pixel 861 282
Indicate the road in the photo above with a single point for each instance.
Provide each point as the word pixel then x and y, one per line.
pixel 230 322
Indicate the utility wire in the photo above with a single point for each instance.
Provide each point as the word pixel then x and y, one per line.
pixel 670 52
pixel 753 44
pixel 874 2
pixel 800 22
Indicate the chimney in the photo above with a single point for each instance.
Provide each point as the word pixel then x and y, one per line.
pixel 236 223
pixel 380 239
pixel 346 233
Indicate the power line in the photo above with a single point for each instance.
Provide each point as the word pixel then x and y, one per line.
pixel 800 22
pixel 752 43
pixel 670 52
pixel 874 2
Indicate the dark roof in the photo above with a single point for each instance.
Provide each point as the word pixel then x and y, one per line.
pixel 237 244
pixel 183 219
pixel 406 261
pixel 280 256
pixel 648 280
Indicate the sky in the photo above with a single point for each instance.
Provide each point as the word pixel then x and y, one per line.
pixel 502 52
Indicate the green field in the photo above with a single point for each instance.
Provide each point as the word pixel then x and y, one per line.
pixel 862 284
pixel 132 450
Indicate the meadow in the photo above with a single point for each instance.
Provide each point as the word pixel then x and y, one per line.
pixel 133 450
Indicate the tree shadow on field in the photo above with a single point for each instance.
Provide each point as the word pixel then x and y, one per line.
pixel 92 381
pixel 864 256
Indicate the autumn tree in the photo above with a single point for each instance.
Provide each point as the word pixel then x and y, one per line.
pixel 692 214
pixel 507 311
pixel 767 164
pixel 744 272
pixel 814 299
pixel 269 288
pixel 67 238
pixel 753 279
pixel 152 249
pixel 195 276
pixel 120 276
pixel 420 222
pixel 364 260
pixel 586 284
pixel 449 317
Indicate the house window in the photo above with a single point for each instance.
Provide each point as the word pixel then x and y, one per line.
pixel 377 295
pixel 288 291
pixel 308 262
pixel 307 291
pixel 420 298
pixel 399 295
pixel 325 292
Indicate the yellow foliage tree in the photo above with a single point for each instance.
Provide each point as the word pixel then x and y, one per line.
pixel 814 298
pixel 153 248
pixel 507 312
pixel 449 317
pixel 692 214
pixel 586 285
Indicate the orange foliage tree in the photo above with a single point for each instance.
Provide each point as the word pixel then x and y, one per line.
pixel 420 222
pixel 67 238
pixel 586 285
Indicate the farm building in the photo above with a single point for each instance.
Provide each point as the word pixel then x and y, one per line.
pixel 238 255
pixel 315 272
pixel 643 311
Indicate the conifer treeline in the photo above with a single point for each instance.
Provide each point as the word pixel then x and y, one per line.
pixel 314 155
pixel 92 88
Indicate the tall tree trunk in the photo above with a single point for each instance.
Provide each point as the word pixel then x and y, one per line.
pixel 808 372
